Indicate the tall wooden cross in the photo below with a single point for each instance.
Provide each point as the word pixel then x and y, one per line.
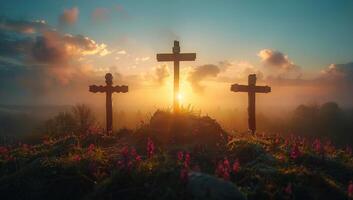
pixel 251 89
pixel 108 89
pixel 176 57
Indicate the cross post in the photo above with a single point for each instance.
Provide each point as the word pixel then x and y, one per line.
pixel 251 89
pixel 108 89
pixel 176 57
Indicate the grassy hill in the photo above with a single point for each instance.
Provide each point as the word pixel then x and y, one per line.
pixel 175 157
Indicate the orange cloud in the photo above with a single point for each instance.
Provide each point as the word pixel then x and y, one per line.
pixel 279 64
pixel 69 16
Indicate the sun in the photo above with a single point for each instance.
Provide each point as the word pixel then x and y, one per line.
pixel 180 97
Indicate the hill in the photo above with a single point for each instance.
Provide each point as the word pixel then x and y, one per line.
pixel 175 157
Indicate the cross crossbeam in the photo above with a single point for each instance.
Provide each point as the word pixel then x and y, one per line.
pixel 108 89
pixel 251 89
pixel 176 57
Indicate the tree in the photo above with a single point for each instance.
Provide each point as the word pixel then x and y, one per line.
pixel 83 116
pixel 78 120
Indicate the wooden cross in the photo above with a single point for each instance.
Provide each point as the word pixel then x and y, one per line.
pixel 176 57
pixel 108 89
pixel 251 89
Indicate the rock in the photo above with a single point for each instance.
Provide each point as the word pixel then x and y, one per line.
pixel 203 186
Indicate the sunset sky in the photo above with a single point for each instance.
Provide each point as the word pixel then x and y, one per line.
pixel 50 51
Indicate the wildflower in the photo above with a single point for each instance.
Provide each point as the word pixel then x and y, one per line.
pixel 288 189
pixel 226 175
pixel 187 160
pixel 128 157
pixel 350 189
pixel 138 159
pixel 226 165
pixel 220 169
pixel 125 152
pixel 180 156
pixel 317 146
pixel 236 166
pixel 184 175
pixel 295 152
pixel 91 149
pixel 277 139
pixel 150 148
pixel 133 152
pixel 76 158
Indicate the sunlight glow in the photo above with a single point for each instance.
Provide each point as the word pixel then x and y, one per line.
pixel 180 97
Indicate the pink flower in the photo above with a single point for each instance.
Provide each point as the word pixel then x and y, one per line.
pixel 317 146
pixel 295 152
pixel 91 148
pixel 133 152
pixel 223 169
pixel 76 158
pixel 180 156
pixel 128 158
pixel 184 175
pixel 138 159
pixel 226 165
pixel 225 175
pixel 236 166
pixel 150 148
pixel 187 160
pixel 350 189
pixel 220 169
pixel 288 189
pixel 277 139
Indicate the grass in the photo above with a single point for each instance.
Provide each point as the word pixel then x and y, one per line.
pixel 119 166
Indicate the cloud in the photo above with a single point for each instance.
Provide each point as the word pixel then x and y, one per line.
pixel 53 47
pixel 100 14
pixel 338 72
pixel 69 16
pixel 21 26
pixel 279 64
pixel 161 73
pixel 238 71
pixel 121 52
pixel 50 58
pixel 200 73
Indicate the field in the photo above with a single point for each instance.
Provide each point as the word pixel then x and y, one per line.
pixel 182 156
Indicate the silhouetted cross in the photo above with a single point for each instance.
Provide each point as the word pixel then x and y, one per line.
pixel 176 56
pixel 251 89
pixel 108 89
